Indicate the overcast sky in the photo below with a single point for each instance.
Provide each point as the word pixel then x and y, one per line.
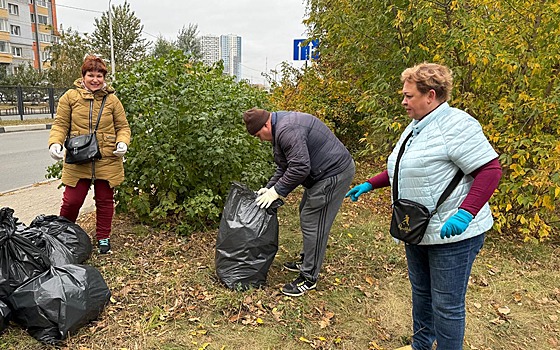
pixel 267 27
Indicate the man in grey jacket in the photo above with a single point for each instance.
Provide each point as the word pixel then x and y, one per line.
pixel 306 153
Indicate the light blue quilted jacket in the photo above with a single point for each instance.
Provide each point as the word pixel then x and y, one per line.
pixel 443 141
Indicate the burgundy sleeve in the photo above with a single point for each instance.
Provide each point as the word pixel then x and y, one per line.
pixel 380 180
pixel 486 179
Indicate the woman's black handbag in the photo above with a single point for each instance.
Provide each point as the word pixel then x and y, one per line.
pixel 84 148
pixel 410 219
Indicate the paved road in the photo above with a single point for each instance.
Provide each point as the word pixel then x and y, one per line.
pixel 24 158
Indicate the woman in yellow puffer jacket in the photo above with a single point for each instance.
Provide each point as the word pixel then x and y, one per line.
pixel 113 136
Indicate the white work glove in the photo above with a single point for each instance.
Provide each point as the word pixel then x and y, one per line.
pixel 56 151
pixel 262 190
pixel 267 197
pixel 121 149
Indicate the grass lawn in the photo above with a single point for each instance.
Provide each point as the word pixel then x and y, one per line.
pixel 166 295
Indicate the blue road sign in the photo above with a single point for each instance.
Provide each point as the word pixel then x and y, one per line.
pixel 301 52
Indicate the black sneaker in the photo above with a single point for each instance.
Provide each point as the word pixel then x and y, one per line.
pixel 294 265
pixel 104 246
pixel 298 287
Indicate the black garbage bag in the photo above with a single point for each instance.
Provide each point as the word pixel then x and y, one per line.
pixel 20 260
pixel 20 226
pixel 5 315
pixel 55 250
pixel 60 301
pixel 67 232
pixel 247 240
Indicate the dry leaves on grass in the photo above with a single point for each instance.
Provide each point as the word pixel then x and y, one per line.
pixel 151 277
pixel 159 279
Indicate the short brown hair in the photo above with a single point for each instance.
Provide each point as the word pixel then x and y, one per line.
pixel 93 64
pixel 430 76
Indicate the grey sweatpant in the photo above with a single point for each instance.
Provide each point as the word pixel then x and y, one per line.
pixel 317 211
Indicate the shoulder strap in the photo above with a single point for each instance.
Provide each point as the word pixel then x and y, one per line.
pixel 100 111
pixel 90 112
pixel 396 174
pixel 454 182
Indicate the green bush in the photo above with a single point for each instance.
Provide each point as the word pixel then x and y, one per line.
pixel 188 142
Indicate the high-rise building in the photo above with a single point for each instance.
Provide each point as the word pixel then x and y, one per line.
pixel 230 46
pixel 27 30
pixel 210 46
pixel 226 48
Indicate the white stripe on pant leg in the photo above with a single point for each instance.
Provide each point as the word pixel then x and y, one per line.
pixel 326 214
pixel 321 227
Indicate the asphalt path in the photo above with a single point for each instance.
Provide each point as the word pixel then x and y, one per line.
pixel 24 158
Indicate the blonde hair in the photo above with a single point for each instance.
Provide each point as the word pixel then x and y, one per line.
pixel 430 76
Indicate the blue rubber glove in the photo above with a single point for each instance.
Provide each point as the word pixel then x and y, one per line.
pixel 456 224
pixel 355 192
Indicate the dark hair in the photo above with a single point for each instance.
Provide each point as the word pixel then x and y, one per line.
pixel 93 64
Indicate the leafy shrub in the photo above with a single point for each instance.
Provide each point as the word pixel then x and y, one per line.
pixel 188 141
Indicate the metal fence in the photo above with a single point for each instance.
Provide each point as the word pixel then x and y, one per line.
pixel 25 102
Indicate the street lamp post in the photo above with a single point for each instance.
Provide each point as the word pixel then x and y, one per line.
pixel 276 71
pixel 111 42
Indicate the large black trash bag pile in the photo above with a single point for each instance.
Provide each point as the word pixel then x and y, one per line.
pixel 247 240
pixel 20 260
pixel 42 284
pixel 63 241
pixel 59 301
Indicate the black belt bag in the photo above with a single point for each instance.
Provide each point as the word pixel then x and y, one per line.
pixel 411 219
pixel 84 148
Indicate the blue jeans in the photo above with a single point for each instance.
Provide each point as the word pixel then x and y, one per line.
pixel 439 275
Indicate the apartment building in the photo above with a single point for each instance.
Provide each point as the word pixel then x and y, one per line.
pixel 210 46
pixel 27 30
pixel 223 47
pixel 231 54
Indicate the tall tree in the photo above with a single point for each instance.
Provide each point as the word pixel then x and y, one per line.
pixel 162 47
pixel 504 55
pixel 67 56
pixel 188 42
pixel 128 44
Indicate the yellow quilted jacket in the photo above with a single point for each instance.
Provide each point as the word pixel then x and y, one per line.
pixel 113 127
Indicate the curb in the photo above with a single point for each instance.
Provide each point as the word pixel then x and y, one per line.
pixel 27 127
pixel 8 192
pixel 40 198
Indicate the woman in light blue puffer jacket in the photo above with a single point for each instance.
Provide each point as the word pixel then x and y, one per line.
pixel 443 140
